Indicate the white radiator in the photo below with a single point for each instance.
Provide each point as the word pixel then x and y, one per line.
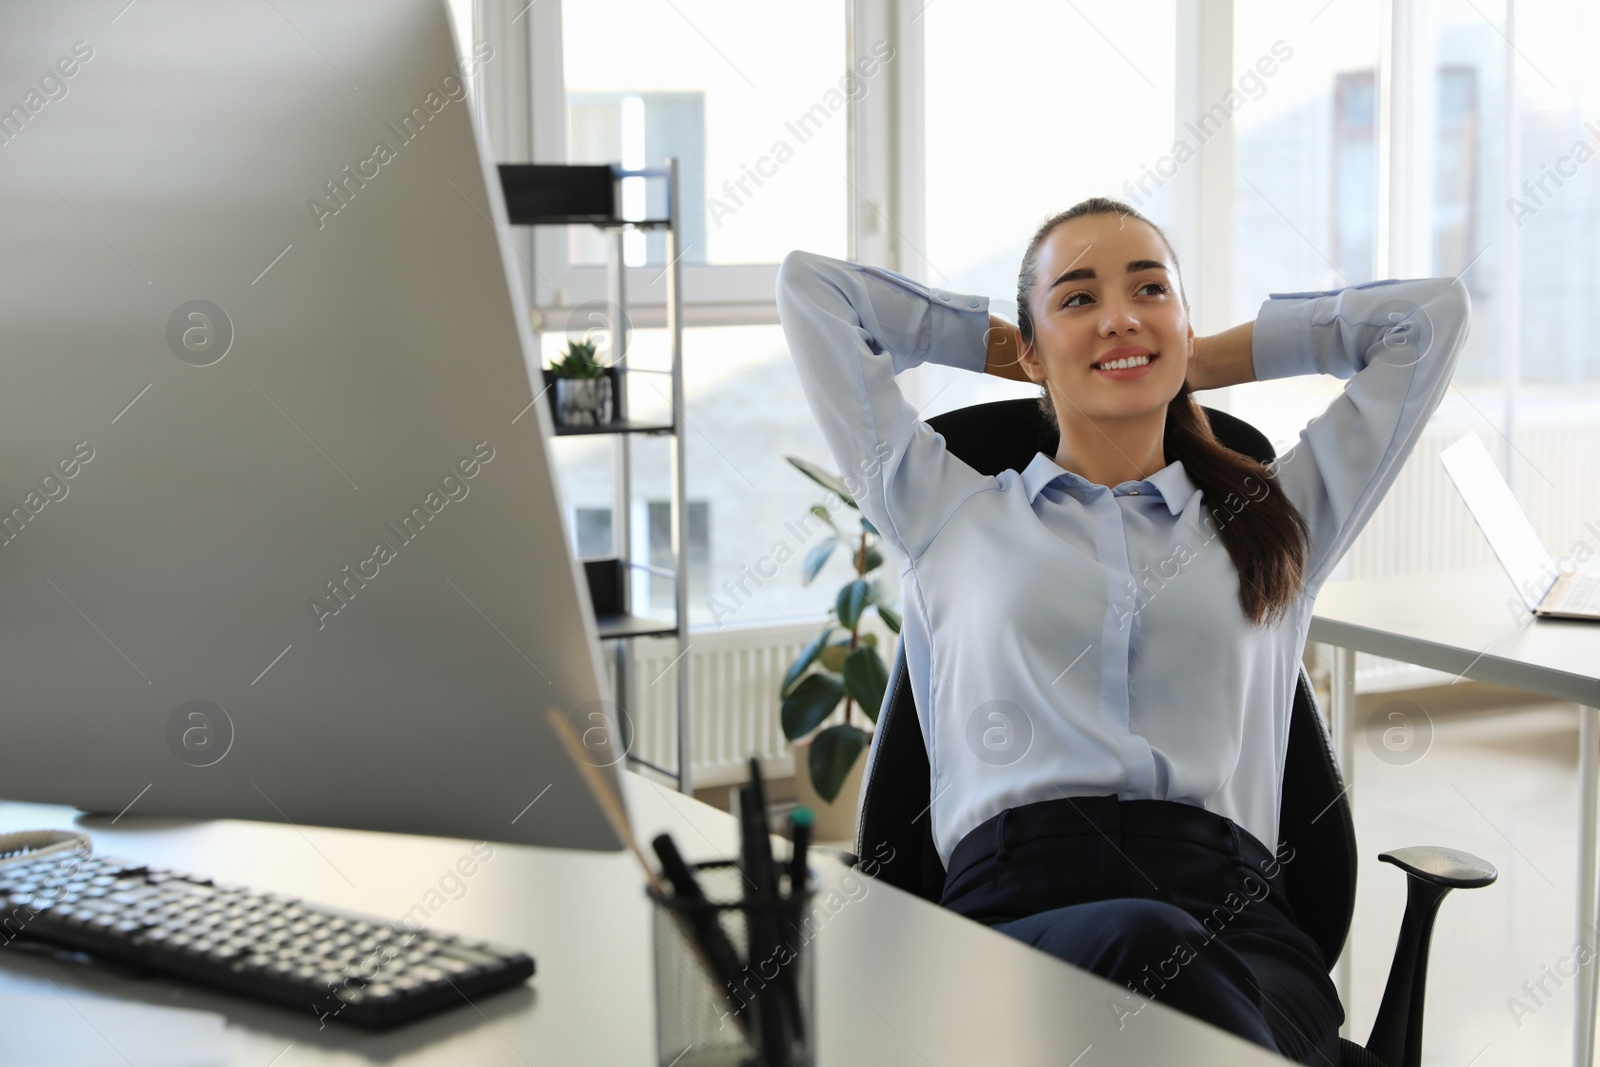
pixel 733 704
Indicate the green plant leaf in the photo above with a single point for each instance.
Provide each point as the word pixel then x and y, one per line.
pixel 578 362
pixel 833 753
pixel 822 513
pixel 833 656
pixel 851 601
pixel 890 617
pixel 870 639
pixel 865 678
pixel 831 482
pixel 867 526
pixel 816 558
pixel 808 656
pixel 873 560
pixel 812 701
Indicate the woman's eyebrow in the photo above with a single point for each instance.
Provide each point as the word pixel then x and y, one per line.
pixel 1082 273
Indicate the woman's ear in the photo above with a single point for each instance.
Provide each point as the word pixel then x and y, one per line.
pixel 1029 359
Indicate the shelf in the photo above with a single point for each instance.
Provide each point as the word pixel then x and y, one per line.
pixel 612 626
pixel 546 194
pixel 614 427
pixel 591 195
pixel 606 583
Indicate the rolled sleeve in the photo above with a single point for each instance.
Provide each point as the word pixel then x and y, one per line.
pixel 1397 343
pixel 949 328
pixel 850 330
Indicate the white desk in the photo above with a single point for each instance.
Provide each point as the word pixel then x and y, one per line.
pixel 1458 622
pixel 899 980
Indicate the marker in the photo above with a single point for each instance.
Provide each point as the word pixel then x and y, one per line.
pixel 800 822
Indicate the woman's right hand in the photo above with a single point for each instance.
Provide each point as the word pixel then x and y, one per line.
pixel 1005 347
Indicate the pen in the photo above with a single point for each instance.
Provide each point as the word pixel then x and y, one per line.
pixel 705 927
pixel 788 985
pixel 758 891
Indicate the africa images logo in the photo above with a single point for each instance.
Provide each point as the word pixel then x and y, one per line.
pixel 342 589
pixel 341 190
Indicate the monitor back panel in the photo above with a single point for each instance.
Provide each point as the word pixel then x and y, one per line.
pixel 278 527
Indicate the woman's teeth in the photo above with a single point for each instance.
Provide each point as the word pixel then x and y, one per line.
pixel 1121 364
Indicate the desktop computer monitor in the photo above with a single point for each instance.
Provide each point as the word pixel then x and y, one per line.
pixel 279 531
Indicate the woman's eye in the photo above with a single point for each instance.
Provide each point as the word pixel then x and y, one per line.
pixel 1159 288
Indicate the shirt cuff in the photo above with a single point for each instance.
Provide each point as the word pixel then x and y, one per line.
pixel 960 334
pixel 1280 342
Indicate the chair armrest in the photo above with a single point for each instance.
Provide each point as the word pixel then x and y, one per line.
pixel 1431 872
pixel 1443 866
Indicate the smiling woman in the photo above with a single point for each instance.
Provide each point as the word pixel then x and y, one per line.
pixel 1157 724
pixel 1108 338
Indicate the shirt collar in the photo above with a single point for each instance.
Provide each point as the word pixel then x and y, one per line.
pixel 1171 482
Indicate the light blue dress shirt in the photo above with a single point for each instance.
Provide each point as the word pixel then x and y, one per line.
pixel 1065 638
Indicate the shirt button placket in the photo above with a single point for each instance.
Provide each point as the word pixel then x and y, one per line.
pixel 1117 639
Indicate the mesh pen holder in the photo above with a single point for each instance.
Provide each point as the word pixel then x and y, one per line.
pixel 766 1015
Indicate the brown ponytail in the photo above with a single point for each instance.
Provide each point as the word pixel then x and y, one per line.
pixel 1264 533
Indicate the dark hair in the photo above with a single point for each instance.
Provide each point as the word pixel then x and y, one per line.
pixel 1269 540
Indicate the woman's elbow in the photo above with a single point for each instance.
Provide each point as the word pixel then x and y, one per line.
pixel 796 269
pixel 1433 314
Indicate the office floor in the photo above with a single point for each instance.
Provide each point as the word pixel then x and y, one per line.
pixel 1496 777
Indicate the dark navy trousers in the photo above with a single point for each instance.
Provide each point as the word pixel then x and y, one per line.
pixel 1177 905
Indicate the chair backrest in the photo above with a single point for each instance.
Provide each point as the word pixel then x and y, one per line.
pixel 1315 829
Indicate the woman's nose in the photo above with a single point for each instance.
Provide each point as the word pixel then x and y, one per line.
pixel 1118 318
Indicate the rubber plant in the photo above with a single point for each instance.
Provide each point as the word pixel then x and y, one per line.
pixel 840 663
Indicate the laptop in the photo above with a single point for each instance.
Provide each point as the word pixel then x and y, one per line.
pixel 1543 586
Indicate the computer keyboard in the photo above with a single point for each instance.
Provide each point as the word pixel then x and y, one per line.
pixel 343 968
pixel 1581 596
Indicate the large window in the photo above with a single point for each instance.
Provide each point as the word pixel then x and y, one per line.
pixel 1556 203
pixel 1305 194
pixel 756 104
pixel 1305 152
pixel 1368 139
pixel 749 99
pixel 1030 108
pixel 1552 211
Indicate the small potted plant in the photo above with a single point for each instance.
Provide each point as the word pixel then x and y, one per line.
pixel 583 386
pixel 841 664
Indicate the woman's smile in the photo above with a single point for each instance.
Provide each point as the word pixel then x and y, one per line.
pixel 1125 362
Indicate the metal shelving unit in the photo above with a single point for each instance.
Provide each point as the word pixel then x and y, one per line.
pixel 543 194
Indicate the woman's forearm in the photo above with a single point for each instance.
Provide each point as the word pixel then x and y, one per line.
pixel 1223 359
pixel 1004 346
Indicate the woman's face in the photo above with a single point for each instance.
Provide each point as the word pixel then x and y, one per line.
pixel 1106 289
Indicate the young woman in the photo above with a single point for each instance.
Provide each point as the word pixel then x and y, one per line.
pixel 1130 613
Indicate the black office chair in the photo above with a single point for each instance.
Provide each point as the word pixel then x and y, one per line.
pixel 1314 814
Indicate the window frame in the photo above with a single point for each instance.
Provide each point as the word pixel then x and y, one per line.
pixel 713 295
pixel 525 117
